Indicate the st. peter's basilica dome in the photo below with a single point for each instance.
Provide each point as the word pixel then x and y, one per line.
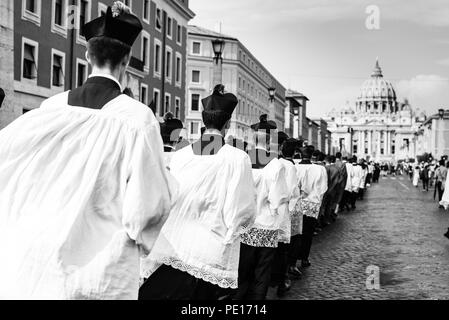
pixel 377 95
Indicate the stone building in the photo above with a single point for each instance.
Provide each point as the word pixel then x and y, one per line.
pixel 242 75
pixel 49 48
pixel 433 136
pixel 379 127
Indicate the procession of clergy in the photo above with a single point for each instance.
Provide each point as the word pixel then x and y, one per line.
pixel 91 207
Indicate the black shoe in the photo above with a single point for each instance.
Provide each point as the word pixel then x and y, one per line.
pixel 305 263
pixel 294 272
pixel 283 288
pixel 447 234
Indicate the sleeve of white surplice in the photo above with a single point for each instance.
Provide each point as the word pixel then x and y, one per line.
pixel 322 184
pixel 293 185
pixel 240 204
pixel 278 193
pixel 149 191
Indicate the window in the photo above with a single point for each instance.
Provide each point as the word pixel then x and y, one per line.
pixel 354 149
pixel 143 93
pixel 81 72
pixel 178 71
pixel 30 55
pixel 393 149
pixel 83 18
pixel 102 9
pixel 196 48
pixel 179 34
pixel 195 102
pixel 145 54
pixel 157 57
pixel 59 20
pixel 169 27
pixel 177 107
pixel 58 68
pixel 382 151
pixel 168 63
pixel 146 11
pixel 194 127
pixel 196 76
pixel 31 11
pixel 167 103
pixel 157 101
pixel 158 19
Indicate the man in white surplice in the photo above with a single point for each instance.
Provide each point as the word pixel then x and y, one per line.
pixel 197 253
pixel 83 187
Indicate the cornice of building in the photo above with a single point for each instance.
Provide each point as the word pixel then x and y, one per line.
pixel 185 11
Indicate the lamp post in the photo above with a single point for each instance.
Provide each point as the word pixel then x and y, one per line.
pixel 218 47
pixel 440 139
pixel 272 94
pixel 2 96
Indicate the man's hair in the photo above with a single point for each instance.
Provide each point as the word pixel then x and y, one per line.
pixel 338 155
pixel 442 162
pixel 330 159
pixel 307 152
pixel 105 51
pixel 288 149
pixel 215 119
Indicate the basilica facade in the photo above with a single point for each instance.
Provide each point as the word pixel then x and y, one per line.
pixel 378 127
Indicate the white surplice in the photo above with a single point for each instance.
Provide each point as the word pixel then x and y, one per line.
pixel 291 179
pixel 313 185
pixel 271 197
pixel 216 203
pixel 83 195
pixel 350 171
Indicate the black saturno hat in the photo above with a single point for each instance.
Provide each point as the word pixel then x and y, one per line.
pixel 264 124
pixel 118 23
pixel 169 125
pixel 220 101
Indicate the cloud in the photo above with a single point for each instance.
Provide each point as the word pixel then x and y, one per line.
pixel 429 12
pixel 444 62
pixel 427 92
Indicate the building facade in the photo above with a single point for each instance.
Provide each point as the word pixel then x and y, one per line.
pixel 49 51
pixel 298 103
pixel 379 127
pixel 242 75
pixel 433 136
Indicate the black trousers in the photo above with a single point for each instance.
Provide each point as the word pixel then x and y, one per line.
pixel 361 193
pixel 309 225
pixel 254 272
pixel 168 283
pixel 425 184
pixel 345 200
pixel 280 266
pixel 294 250
pixel 440 190
pixel 353 198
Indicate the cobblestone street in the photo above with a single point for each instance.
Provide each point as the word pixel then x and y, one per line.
pixel 399 229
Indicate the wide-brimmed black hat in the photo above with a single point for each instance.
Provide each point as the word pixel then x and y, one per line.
pixel 118 23
pixel 169 125
pixel 220 101
pixel 264 124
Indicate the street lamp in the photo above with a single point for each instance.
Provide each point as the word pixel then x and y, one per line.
pixel 218 47
pixel 2 96
pixel 272 94
pixel 440 139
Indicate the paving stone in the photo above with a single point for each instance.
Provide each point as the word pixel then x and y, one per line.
pixel 398 229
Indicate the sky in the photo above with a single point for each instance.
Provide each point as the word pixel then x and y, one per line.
pixel 326 49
